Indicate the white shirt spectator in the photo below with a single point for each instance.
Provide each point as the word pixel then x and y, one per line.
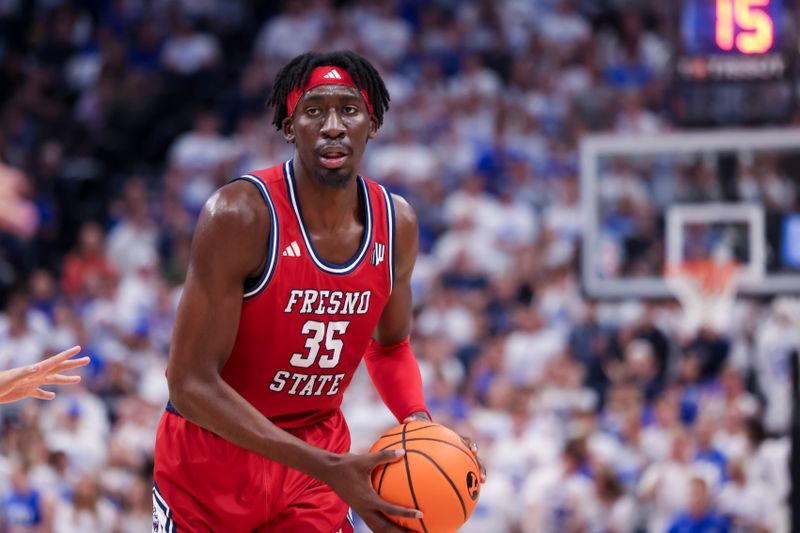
pixel 621 517
pixel 196 151
pixel 554 499
pixel 22 349
pixel 767 469
pixel 563 28
pixel 406 159
pixel 776 339
pixel 455 322
pixel 497 509
pixel 189 53
pixel 385 35
pixel 527 353
pixel 131 245
pixel 746 503
pixel 476 206
pixel 68 519
pixel 670 482
pixel 289 34
pixel 475 246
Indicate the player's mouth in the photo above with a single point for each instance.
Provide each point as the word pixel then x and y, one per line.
pixel 333 157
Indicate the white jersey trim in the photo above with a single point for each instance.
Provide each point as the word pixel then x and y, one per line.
pixel 366 242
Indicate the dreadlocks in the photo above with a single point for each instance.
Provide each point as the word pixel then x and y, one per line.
pixel 297 72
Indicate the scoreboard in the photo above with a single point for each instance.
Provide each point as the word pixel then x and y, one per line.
pixel 735 62
pixel 748 27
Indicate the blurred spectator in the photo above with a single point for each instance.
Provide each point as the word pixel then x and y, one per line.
pixel 25 509
pixel 666 485
pixel 618 513
pixel 702 516
pixel 87 267
pixel 293 32
pixel 17 214
pixel 85 511
pixel 190 51
pixel 560 497
pixel 132 243
pixel 22 332
pixel 743 503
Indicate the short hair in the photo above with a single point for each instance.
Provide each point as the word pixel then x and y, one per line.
pixel 297 72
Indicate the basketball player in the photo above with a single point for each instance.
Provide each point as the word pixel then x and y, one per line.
pixel 296 272
pixel 27 381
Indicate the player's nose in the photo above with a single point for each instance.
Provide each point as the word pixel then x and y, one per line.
pixel 333 127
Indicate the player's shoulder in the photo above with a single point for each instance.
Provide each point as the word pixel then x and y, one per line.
pixel 269 175
pixel 236 207
pixel 236 201
pixel 241 201
pixel 404 213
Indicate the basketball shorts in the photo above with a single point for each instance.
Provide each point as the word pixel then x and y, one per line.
pixel 203 483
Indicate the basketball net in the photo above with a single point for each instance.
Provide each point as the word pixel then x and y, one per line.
pixel 706 289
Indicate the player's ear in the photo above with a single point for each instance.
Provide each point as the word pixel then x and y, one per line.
pixel 373 127
pixel 287 128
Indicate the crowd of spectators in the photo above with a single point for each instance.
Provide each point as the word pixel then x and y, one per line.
pixel 634 194
pixel 118 118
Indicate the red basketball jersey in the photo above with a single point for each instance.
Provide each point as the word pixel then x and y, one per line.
pixel 305 322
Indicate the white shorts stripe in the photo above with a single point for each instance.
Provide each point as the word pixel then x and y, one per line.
pixel 162 515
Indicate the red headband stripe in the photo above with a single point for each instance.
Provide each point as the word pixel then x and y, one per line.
pixel 327 75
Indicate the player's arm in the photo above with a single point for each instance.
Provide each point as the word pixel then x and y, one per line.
pixel 228 247
pixel 390 362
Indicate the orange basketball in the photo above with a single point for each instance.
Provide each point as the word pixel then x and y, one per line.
pixel 438 475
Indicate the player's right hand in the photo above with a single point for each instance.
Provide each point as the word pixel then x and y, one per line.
pixel 351 478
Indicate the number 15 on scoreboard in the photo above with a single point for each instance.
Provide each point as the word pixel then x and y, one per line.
pixel 744 25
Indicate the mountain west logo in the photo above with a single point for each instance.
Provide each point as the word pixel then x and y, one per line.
pixel 333 74
pixel 378 254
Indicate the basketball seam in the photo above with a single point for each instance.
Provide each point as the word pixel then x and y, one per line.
pixel 408 477
pixel 439 468
pixel 380 481
pixel 468 454
pixel 409 431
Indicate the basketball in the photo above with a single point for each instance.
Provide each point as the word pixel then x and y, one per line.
pixel 438 475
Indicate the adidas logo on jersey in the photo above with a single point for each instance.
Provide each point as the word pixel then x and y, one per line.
pixel 333 74
pixel 293 250
pixel 378 254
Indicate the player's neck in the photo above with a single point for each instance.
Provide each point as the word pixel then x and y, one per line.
pixel 325 206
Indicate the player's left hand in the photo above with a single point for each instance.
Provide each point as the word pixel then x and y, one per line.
pixel 26 381
pixel 468 442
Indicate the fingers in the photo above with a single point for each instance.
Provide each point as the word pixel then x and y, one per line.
pixel 73 363
pixel 418 416
pixel 60 379
pixel 380 524
pixel 51 362
pixel 43 394
pixel 396 510
pixel 387 456
pixel 473 447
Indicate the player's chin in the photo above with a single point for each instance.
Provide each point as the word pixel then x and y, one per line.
pixel 334 177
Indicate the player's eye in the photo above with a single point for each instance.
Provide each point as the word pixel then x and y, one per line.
pixel 313 111
pixel 350 110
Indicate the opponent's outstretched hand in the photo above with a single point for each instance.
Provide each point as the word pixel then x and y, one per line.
pixel 350 478
pixel 26 381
